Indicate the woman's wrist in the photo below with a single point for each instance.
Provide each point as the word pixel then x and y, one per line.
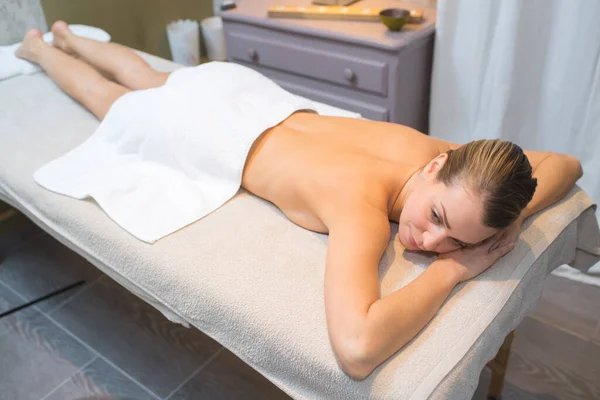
pixel 453 271
pixel 526 212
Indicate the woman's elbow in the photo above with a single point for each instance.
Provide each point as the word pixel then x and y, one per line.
pixel 574 165
pixel 354 360
pixel 354 368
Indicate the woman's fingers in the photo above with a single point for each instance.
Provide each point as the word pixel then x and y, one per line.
pixel 497 241
pixel 503 249
pixel 512 236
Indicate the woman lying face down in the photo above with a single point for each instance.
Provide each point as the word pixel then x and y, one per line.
pixel 350 178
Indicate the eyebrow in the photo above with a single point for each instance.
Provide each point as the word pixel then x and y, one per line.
pixel 445 220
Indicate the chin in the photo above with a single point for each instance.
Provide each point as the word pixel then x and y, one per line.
pixel 403 243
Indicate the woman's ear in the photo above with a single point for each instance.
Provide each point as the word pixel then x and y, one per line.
pixel 435 165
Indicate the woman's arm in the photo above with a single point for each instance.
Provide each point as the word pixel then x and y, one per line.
pixel 365 330
pixel 556 174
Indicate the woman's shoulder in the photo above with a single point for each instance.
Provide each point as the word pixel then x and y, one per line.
pixel 439 145
pixel 416 147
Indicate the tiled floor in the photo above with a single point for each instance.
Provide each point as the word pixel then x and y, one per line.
pixel 99 341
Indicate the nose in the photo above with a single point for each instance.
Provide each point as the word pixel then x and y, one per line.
pixel 431 239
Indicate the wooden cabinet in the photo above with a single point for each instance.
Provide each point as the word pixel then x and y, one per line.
pixel 358 66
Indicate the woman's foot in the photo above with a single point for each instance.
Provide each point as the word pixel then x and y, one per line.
pixel 31 47
pixel 63 36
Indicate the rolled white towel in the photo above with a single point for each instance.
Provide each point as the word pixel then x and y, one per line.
pixel 11 65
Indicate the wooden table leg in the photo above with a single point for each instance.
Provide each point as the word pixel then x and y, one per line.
pixel 498 366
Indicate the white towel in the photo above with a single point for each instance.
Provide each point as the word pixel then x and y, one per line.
pixel 11 65
pixel 166 157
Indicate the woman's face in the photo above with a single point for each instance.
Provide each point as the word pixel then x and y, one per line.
pixel 440 219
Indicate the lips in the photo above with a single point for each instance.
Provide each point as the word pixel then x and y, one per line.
pixel 412 241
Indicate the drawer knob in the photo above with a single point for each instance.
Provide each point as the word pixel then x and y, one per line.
pixel 253 54
pixel 349 74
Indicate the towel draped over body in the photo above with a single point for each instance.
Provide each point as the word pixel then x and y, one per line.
pixel 165 157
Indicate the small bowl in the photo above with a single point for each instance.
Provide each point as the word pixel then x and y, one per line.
pixel 394 18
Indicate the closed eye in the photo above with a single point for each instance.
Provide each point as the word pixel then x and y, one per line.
pixel 435 217
pixel 459 244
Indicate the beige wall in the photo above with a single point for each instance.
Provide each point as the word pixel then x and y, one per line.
pixel 139 24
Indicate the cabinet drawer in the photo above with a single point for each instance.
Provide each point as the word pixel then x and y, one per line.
pixel 368 111
pixel 309 60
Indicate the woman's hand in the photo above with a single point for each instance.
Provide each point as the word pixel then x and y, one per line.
pixel 508 235
pixel 470 262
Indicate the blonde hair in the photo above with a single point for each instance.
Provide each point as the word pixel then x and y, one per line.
pixel 497 171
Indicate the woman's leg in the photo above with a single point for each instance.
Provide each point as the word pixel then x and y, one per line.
pixel 118 62
pixel 75 77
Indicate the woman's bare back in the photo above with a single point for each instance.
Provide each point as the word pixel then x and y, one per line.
pixel 309 163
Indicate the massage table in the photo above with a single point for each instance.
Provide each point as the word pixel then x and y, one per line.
pixel 253 281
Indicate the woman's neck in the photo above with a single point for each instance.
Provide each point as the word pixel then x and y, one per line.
pixel 403 190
